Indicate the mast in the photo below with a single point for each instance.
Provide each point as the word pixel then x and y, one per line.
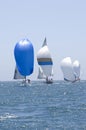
pixel 25 79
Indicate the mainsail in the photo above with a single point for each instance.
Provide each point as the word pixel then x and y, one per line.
pixel 40 74
pixel 17 74
pixel 45 60
pixel 71 71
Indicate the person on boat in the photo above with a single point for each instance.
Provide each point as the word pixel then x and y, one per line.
pixel 28 80
pixel 49 79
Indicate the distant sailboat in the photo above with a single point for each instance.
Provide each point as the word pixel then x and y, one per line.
pixel 45 63
pixel 71 71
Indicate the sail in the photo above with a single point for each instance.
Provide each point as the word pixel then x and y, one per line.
pixel 45 42
pixel 52 72
pixel 40 74
pixel 17 75
pixel 24 57
pixel 45 60
pixel 76 68
pixel 67 69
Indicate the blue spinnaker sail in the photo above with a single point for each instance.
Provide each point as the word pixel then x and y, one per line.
pixel 24 57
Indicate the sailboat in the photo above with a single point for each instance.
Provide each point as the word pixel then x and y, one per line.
pixel 71 71
pixel 45 63
pixel 24 57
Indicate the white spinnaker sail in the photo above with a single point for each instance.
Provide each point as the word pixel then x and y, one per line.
pixel 67 69
pixel 41 74
pixel 17 75
pixel 76 68
pixel 44 59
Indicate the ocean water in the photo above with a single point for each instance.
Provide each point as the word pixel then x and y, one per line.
pixel 41 106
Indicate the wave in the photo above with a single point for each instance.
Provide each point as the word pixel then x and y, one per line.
pixel 7 116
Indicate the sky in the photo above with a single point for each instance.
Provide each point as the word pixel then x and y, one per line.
pixel 62 22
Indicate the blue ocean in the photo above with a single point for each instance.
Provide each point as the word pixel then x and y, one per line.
pixel 41 106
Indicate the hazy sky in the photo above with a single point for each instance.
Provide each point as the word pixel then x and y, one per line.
pixel 63 22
